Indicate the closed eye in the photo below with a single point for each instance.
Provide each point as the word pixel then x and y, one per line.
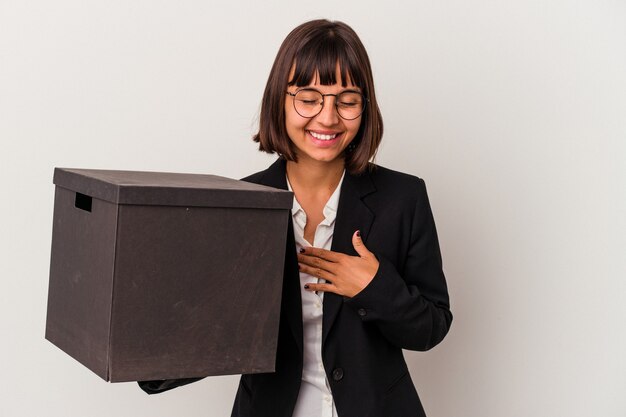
pixel 309 102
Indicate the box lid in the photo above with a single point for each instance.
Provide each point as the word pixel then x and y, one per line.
pixel 170 189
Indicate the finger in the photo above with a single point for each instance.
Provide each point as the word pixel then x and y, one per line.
pixel 316 262
pixel 321 287
pixel 316 272
pixel 359 246
pixel 321 253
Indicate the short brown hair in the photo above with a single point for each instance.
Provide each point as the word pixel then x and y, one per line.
pixel 315 48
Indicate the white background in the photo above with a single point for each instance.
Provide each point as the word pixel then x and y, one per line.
pixel 514 112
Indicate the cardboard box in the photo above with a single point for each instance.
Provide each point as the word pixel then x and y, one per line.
pixel 161 275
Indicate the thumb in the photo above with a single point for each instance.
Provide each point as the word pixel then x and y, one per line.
pixel 359 246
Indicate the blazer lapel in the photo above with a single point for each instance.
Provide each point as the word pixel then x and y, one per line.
pixel 275 176
pixel 352 215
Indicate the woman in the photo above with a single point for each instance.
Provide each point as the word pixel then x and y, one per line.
pixel 363 275
pixel 365 237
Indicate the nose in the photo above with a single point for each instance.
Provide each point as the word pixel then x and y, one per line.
pixel 328 116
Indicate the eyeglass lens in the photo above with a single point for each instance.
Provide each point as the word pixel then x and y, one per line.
pixel 309 103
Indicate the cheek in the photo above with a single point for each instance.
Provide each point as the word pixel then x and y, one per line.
pixel 353 127
pixel 293 122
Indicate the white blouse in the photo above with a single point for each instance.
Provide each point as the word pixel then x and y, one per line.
pixel 315 398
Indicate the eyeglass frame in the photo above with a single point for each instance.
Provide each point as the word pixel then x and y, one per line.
pixel 365 101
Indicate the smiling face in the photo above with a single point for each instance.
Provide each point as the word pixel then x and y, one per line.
pixel 324 137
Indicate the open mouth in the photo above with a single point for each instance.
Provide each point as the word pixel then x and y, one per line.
pixel 324 137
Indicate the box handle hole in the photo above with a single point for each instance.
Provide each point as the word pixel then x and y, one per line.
pixel 83 202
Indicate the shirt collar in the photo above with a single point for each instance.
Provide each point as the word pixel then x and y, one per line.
pixel 330 209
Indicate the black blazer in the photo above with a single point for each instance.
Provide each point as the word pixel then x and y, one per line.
pixel 405 306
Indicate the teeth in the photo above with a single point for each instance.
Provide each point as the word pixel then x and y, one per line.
pixel 322 137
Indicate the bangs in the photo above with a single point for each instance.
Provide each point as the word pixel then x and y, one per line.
pixel 320 57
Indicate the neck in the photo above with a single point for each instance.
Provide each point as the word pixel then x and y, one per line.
pixel 314 176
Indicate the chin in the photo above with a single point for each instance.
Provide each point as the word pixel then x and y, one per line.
pixel 319 158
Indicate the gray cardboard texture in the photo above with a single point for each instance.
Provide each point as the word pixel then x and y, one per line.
pixel 161 275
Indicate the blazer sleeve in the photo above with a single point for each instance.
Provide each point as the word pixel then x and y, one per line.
pixel 412 308
pixel 162 385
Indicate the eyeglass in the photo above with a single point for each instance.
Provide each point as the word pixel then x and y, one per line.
pixel 309 102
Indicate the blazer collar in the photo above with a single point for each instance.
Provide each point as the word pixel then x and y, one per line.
pixel 352 214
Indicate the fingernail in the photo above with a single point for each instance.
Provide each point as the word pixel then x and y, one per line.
pixel 358 233
pixel 306 286
pixel 299 266
pixel 301 250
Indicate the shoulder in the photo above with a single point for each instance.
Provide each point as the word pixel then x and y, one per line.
pixel 381 173
pixel 395 192
pixel 390 181
pixel 266 175
pixel 401 197
pixel 256 178
pixel 273 176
